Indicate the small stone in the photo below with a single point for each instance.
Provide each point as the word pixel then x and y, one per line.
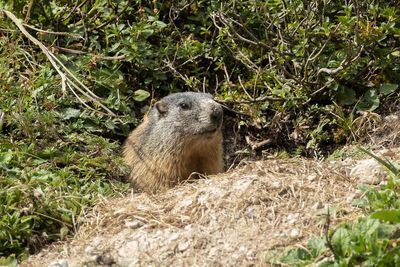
pixel 251 213
pixel 183 246
pixel 173 237
pixel 129 262
pixel 292 218
pixel 59 263
pixel 318 205
pixel 294 233
pixel 368 171
pixel 134 224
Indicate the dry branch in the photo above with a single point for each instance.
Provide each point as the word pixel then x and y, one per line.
pixel 53 59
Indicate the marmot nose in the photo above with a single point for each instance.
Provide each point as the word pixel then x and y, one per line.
pixel 216 114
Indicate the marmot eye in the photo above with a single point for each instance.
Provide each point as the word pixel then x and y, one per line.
pixel 184 106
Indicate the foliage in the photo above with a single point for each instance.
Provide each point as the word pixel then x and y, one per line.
pixel 370 241
pixel 298 72
pixel 295 57
pixel 279 65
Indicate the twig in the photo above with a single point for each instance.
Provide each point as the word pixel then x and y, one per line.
pixel 230 109
pixel 345 62
pixel 53 59
pixel 55 33
pixel 257 145
pixel 174 71
pixel 73 9
pixel 329 240
pixel 113 18
pixel 79 52
pixel 244 89
pixel 262 99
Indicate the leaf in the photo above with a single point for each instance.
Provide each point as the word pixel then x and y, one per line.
pixel 273 256
pixel 291 258
pixel 371 101
pixel 388 88
pixel 387 215
pixel 366 228
pixel 63 232
pixel 317 246
pixel 5 157
pixel 346 96
pixel 386 230
pixel 329 211
pixel 340 242
pixel 360 203
pixel 327 263
pixel 70 113
pixel 140 95
pixel 391 258
pixel 9 261
pixel 160 24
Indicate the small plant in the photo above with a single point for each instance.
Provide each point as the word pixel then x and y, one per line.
pixel 370 241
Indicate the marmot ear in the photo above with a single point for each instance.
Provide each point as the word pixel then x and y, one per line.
pixel 161 107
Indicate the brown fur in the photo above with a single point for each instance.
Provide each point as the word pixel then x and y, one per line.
pixel 175 155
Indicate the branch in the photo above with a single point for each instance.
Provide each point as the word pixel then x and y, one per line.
pixel 74 35
pixel 52 58
pixel 345 62
pixel 113 18
pixel 78 52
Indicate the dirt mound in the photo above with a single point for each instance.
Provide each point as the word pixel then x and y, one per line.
pixel 226 220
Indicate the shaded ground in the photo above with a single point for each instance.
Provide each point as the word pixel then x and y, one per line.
pixel 227 220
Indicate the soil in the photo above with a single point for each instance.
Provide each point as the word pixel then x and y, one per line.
pixel 231 219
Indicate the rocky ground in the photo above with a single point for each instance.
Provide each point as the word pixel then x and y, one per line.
pixel 231 219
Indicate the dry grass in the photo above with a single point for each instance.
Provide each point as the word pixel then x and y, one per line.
pixel 227 220
pixel 230 219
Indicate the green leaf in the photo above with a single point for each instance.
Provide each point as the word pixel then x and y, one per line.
pixel 388 88
pixel 273 256
pixel 10 261
pixel 387 215
pixel 317 246
pixel 346 96
pixel 340 242
pixel 327 263
pixel 386 230
pixel 391 258
pixel 63 231
pixel 160 24
pixel 70 113
pixel 293 257
pixel 371 101
pixel 361 203
pixel 140 95
pixel 5 157
pixel 329 211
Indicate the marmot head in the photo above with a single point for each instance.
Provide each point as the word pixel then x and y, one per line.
pixel 188 114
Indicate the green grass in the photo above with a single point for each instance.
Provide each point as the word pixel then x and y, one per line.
pixel 44 192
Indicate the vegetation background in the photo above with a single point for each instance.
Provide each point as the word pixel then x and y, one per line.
pixel 295 78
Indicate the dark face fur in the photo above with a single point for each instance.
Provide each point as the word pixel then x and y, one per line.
pixel 189 114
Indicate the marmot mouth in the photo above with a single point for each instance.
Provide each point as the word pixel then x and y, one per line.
pixel 210 131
